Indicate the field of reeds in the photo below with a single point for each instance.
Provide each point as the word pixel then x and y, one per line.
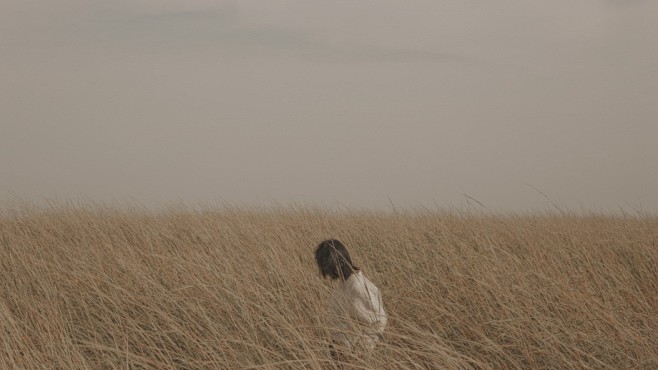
pixel 99 287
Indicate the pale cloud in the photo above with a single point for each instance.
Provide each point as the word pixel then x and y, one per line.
pixel 171 6
pixel 363 30
pixel 154 26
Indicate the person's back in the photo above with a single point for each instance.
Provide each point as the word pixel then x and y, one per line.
pixel 357 315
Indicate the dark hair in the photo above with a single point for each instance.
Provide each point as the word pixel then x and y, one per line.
pixel 334 260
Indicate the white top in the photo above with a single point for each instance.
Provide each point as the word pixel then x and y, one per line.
pixel 357 316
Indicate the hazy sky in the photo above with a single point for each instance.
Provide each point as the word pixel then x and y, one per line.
pixel 358 103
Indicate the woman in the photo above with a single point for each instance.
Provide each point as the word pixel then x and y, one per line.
pixel 356 312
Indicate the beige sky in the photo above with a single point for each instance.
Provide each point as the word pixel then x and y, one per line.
pixel 357 103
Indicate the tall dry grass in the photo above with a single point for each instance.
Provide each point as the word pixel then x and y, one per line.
pixel 108 288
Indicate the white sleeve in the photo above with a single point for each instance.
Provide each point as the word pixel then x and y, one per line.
pixel 368 308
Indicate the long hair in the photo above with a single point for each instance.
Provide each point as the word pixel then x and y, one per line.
pixel 333 260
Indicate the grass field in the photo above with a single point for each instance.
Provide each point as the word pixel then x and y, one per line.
pixel 123 287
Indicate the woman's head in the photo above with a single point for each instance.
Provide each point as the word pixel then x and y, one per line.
pixel 333 260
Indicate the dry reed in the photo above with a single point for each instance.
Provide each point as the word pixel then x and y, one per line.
pixel 95 287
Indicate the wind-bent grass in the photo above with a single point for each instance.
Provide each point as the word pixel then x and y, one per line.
pixel 98 287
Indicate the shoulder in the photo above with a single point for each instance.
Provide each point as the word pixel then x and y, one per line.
pixel 360 283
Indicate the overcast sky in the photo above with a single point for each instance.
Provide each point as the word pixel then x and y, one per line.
pixel 357 103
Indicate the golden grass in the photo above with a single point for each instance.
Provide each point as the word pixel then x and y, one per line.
pixel 100 287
